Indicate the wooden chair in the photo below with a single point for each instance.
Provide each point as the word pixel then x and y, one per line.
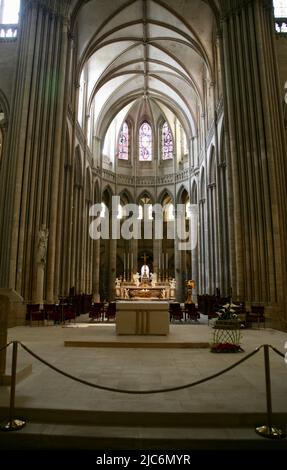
pixel 191 312
pixel 111 311
pixel 97 311
pixel 175 311
pixel 257 315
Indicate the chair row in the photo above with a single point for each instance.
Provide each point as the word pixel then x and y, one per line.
pixel 100 312
pixel 50 312
pixel 256 315
pixel 188 312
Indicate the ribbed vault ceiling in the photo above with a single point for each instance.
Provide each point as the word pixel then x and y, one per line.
pixel 161 50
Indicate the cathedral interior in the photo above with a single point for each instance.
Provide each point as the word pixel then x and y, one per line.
pixel 153 105
pixel 116 115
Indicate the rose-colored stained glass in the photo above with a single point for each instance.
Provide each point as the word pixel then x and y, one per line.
pixel 166 142
pixel 145 142
pixel 124 142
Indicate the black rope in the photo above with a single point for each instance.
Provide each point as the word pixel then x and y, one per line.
pixel 140 392
pixel 276 350
pixel 6 346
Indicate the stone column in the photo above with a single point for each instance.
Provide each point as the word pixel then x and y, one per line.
pixel 31 180
pixel 96 270
pixel 41 256
pixel 256 151
pixel 59 140
pixel 113 257
pixel 179 214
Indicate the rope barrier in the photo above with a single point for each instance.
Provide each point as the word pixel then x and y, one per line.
pixel 270 431
pixel 6 346
pixel 140 392
pixel 276 350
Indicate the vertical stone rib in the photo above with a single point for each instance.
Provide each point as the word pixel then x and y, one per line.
pixel 256 147
pixel 55 174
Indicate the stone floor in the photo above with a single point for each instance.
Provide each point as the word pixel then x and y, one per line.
pixel 218 414
pixel 242 390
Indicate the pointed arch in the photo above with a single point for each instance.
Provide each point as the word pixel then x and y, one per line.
pixel 145 136
pixel 124 141
pixel 145 195
pixel 165 193
pixel 194 196
pixel 126 197
pixel 167 145
pixel 181 194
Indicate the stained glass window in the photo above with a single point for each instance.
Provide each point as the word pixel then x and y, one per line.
pixel 124 142
pixel 145 142
pixel 166 142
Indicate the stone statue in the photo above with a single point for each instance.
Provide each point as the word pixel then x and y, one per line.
pixel 162 294
pixel 126 293
pixel 172 283
pixel 136 278
pixel 42 244
pixel 117 282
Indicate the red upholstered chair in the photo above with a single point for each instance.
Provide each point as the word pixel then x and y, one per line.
pixel 52 313
pixel 34 313
pixel 69 313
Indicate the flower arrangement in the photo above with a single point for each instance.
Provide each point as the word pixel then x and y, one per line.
pixel 226 312
pixel 225 347
pixel 227 334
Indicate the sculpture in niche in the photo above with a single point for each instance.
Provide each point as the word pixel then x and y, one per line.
pixel 42 245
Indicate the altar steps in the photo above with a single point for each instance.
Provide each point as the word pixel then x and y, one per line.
pixel 137 344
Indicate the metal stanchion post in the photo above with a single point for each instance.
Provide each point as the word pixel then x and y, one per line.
pixel 268 430
pixel 13 424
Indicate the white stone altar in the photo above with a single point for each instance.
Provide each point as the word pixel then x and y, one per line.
pixel 142 318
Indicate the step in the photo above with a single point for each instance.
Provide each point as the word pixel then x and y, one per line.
pixel 78 437
pixel 144 419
